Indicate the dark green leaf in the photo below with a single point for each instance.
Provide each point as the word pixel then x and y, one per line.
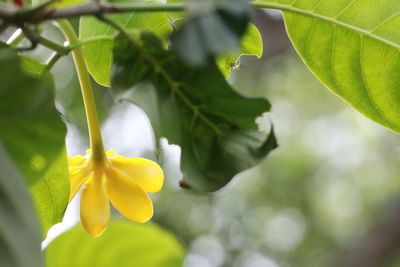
pixel 33 134
pixel 124 244
pixel 211 31
pixel 19 231
pixel 194 108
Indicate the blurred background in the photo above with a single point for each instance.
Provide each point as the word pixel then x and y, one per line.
pixel 328 196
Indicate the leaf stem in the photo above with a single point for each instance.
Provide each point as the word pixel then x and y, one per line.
pixel 60 49
pixel 96 141
pixel 36 38
pixel 51 61
pixel 15 38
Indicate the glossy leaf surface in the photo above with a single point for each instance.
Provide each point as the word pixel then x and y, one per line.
pixel 353 48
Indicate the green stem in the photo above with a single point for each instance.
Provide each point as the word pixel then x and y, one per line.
pixel 94 39
pixel 139 7
pixel 37 38
pixel 52 60
pixel 96 142
pixel 15 38
pixel 60 49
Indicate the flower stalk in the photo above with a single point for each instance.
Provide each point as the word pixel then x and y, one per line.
pixel 96 142
pixel 106 177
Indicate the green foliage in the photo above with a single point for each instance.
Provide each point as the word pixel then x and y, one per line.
pixel 33 136
pixel 353 48
pixel 213 28
pixel 194 108
pixel 98 53
pixel 19 231
pixel 123 244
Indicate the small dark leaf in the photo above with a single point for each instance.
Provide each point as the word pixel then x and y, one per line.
pixel 213 32
pixel 194 108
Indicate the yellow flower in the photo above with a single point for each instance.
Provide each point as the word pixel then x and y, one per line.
pixel 123 181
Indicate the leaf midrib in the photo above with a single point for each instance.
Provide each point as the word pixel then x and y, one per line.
pixel 333 20
pixel 174 86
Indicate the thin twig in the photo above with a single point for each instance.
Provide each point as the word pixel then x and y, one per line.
pixel 15 16
pixel 26 12
pixel 52 60
pixel 15 38
pixel 35 37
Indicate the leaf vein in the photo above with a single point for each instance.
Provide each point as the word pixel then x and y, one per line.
pixel 309 37
pixel 366 86
pixel 333 20
pixel 346 7
pixel 52 199
pixel 293 3
pixel 338 87
pixel 385 21
pixel 317 5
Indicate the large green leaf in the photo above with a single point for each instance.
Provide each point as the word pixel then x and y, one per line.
pixel 33 134
pixel 98 53
pixel 124 244
pixel 353 48
pixel 19 231
pixel 194 108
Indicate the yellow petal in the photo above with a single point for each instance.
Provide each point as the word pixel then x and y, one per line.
pixel 146 173
pixel 76 161
pixel 95 208
pixel 128 197
pixel 77 178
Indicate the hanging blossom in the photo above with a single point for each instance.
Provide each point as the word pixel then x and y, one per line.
pixel 106 176
pixel 123 181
